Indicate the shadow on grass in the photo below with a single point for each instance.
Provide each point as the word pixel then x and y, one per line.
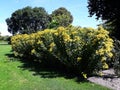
pixel 4 44
pixel 46 71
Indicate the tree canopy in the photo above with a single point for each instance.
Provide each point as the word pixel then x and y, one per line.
pixel 61 17
pixel 108 11
pixel 28 20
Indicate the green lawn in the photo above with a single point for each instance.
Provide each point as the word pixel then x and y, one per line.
pixel 18 75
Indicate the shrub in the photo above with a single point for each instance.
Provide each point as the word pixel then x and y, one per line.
pixel 116 57
pixel 6 39
pixel 82 50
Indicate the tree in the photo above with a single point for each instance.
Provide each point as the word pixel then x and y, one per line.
pixel 28 20
pixel 61 17
pixel 108 11
pixel 0 36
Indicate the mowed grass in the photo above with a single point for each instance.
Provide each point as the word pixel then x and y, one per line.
pixel 17 75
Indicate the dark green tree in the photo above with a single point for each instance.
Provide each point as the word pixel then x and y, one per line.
pixel 109 12
pixel 61 17
pixel 0 36
pixel 28 20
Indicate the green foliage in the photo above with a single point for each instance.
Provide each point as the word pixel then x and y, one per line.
pixel 61 17
pixel 28 20
pixel 14 76
pixel 107 10
pixel 53 24
pixel 116 57
pixel 1 38
pixel 81 49
pixel 5 39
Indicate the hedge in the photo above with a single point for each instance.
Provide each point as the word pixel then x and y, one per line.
pixel 85 50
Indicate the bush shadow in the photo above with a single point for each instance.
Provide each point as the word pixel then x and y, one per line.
pixel 4 44
pixel 44 70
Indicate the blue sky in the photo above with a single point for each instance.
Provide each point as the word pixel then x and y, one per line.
pixel 78 9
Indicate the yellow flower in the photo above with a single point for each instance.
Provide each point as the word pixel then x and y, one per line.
pixel 56 34
pixel 66 37
pixel 77 38
pixel 110 54
pixel 101 73
pixel 33 51
pixel 50 49
pixel 100 36
pixel 39 42
pixel 16 54
pixel 100 52
pixel 105 65
pixel 51 46
pixel 103 59
pixel 78 59
pixel 74 32
pixel 84 75
pixel 61 29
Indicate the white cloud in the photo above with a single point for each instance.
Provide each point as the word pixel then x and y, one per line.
pixel 3 29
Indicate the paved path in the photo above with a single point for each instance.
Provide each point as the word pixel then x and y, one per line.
pixel 109 79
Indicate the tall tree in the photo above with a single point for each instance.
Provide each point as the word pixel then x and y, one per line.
pixel 28 20
pixel 108 11
pixel 61 17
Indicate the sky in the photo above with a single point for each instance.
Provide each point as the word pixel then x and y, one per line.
pixel 78 9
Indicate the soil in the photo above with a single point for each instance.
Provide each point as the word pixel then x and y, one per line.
pixel 108 79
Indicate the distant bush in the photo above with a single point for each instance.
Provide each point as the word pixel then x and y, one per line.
pixel 83 50
pixel 5 38
pixel 1 38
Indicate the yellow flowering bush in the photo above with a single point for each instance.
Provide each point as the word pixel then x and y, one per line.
pixel 84 49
